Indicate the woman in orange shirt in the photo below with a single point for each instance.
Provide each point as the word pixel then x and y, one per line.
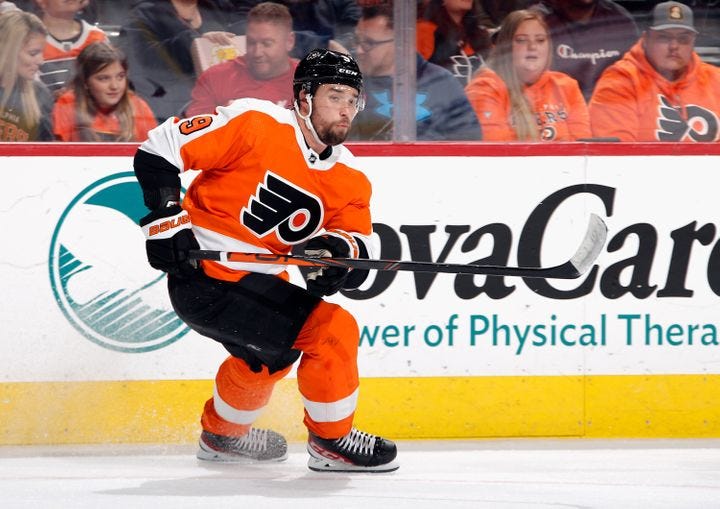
pixel 518 98
pixel 99 106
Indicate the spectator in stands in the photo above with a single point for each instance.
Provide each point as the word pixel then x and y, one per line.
pixel 66 38
pixel 25 103
pixel 442 110
pixel 518 97
pixel 157 40
pixel 589 36
pixel 449 35
pixel 316 23
pixel 660 90
pixel 264 72
pixel 99 106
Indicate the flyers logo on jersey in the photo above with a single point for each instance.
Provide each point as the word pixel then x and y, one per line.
pixel 548 133
pixel 701 124
pixel 281 207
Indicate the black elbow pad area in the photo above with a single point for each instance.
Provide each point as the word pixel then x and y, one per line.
pixel 154 174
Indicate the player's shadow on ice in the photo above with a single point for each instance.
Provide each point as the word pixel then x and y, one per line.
pixel 242 481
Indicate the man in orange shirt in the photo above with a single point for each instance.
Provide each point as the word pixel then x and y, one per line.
pixel 660 90
pixel 270 178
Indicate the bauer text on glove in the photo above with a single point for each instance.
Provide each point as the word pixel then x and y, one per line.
pixel 169 237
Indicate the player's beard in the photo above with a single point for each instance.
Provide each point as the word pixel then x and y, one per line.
pixel 329 133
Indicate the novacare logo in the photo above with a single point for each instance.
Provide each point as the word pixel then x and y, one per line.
pixel 106 290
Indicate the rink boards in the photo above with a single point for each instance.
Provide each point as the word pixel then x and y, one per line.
pixel 93 352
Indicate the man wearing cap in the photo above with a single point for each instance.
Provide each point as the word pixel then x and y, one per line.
pixel 660 90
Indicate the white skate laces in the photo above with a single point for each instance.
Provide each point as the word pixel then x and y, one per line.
pixel 255 445
pixel 254 441
pixel 355 452
pixel 357 442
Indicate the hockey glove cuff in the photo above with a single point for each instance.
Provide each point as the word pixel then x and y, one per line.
pixel 169 237
pixel 337 244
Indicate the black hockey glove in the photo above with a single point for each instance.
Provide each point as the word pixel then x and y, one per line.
pixel 169 238
pixel 326 280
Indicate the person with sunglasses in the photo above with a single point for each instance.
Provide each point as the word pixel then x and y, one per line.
pixel 660 90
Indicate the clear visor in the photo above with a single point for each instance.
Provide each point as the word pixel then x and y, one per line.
pixel 359 104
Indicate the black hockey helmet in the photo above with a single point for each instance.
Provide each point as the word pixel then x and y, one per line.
pixel 326 66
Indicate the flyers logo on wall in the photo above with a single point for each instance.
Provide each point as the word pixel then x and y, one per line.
pixel 101 280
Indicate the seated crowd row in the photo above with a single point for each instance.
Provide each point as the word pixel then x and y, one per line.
pixel 497 84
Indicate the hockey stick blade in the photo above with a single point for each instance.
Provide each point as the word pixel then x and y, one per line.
pixel 591 246
pixel 581 261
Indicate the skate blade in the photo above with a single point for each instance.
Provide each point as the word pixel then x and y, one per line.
pixel 220 457
pixel 327 465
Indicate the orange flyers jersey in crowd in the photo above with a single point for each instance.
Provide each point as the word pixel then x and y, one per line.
pixel 261 189
pixel 58 50
pixel 633 102
pixel 555 99
pixel 59 56
pixel 106 126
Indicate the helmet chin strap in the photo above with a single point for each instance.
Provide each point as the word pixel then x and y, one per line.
pixel 306 118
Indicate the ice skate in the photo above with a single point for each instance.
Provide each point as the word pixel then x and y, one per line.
pixel 355 452
pixel 255 446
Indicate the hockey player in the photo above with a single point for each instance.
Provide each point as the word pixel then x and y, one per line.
pixel 270 178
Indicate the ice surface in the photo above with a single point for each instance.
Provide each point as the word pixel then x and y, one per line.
pixel 498 474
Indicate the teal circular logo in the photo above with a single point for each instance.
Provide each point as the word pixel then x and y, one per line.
pixel 99 274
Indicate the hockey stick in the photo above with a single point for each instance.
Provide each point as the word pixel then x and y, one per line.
pixel 581 261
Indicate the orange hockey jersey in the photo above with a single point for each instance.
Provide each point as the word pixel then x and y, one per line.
pixel 556 100
pixel 261 189
pixel 105 126
pixel 633 102
pixel 59 56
